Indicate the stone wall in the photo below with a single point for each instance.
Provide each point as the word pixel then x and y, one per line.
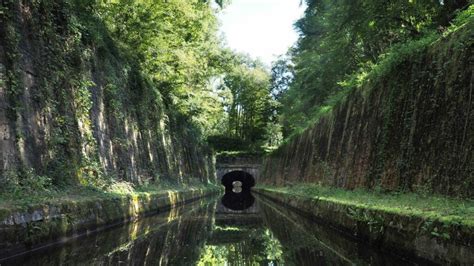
pixel 250 164
pixel 74 108
pixel 410 129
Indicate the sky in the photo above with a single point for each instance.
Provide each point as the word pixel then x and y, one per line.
pixel 261 28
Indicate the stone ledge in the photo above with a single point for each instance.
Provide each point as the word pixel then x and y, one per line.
pixel 393 232
pixel 38 225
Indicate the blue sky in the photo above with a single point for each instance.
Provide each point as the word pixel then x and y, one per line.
pixel 261 28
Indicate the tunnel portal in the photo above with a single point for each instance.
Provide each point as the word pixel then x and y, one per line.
pixel 230 179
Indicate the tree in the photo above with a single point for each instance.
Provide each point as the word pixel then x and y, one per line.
pixel 282 75
pixel 340 38
pixel 250 108
pixel 176 44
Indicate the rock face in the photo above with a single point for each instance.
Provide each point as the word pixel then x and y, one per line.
pixel 73 108
pixel 412 128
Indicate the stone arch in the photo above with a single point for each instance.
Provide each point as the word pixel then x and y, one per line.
pixel 246 178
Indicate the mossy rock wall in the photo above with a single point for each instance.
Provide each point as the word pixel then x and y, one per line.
pixel 74 108
pixel 410 129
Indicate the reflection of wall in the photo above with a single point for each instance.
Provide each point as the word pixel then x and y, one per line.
pixel 305 241
pixel 58 220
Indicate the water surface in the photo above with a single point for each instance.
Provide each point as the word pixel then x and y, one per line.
pixel 234 229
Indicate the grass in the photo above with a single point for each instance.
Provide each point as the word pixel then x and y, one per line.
pixel 429 207
pixel 20 199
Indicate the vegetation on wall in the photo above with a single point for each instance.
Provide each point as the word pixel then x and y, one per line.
pixel 175 45
pixel 107 91
pixel 135 90
pixel 342 42
pixel 430 207
pixel 384 122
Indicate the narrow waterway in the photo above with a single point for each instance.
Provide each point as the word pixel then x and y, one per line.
pixel 234 229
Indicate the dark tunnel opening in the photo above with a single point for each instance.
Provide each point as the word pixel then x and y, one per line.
pixel 238 201
pixel 240 180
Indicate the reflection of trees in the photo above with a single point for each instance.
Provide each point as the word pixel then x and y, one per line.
pixel 257 246
pixel 273 248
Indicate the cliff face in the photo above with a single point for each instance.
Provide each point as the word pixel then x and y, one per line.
pixel 72 107
pixel 412 128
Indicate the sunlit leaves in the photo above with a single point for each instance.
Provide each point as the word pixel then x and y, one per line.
pixel 175 44
pixel 341 41
pixel 250 108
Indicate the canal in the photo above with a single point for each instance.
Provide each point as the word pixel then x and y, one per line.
pixel 233 229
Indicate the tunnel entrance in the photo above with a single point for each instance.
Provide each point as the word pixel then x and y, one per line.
pixel 238 181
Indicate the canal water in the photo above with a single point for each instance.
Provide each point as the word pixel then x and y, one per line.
pixel 234 229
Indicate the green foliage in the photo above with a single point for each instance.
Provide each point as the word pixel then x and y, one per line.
pixel 226 143
pixel 175 44
pixel 82 97
pixel 153 62
pixel 282 75
pixel 461 19
pixel 240 154
pixel 37 190
pixel 25 182
pixel 250 107
pixel 346 43
pixel 273 136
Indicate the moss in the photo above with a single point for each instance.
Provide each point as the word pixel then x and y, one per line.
pixel 77 196
pixel 81 213
pixel 4 213
pixel 432 208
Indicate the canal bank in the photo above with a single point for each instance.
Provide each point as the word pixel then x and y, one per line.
pixel 446 241
pixel 207 232
pixel 28 226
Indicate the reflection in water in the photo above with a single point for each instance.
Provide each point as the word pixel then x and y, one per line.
pixel 235 230
pixel 237 189
pixel 238 201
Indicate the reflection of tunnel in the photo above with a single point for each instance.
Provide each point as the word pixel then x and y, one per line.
pixel 238 201
pixel 247 180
